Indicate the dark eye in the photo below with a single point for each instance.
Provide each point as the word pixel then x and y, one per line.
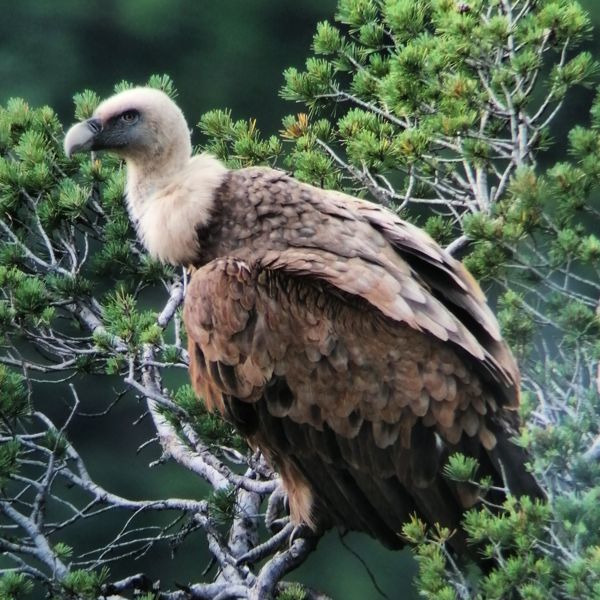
pixel 129 116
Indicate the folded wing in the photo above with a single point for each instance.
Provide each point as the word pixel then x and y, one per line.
pixel 358 377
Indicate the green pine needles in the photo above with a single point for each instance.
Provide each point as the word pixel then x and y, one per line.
pixel 441 110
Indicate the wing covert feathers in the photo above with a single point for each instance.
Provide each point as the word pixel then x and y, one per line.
pixel 355 353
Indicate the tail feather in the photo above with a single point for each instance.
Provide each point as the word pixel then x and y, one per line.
pixel 511 460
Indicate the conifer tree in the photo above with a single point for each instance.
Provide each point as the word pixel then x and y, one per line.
pixel 438 109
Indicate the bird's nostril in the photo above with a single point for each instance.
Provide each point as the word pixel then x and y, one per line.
pixel 95 125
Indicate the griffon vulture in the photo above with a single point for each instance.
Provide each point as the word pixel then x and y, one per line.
pixel 340 340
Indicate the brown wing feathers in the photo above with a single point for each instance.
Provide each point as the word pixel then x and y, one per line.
pixel 452 285
pixel 335 365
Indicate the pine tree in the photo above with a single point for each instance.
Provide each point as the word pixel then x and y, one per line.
pixel 442 111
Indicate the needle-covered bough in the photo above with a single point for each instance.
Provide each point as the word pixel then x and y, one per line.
pixel 340 340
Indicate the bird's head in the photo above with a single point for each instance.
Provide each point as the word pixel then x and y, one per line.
pixel 142 125
pixel 169 194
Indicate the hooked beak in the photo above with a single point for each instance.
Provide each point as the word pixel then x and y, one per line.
pixel 81 136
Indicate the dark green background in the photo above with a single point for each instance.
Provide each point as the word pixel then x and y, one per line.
pixel 221 54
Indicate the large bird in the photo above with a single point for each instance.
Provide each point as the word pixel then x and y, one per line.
pixel 340 340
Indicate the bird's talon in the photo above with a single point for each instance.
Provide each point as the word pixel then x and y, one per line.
pixel 276 506
pixel 302 530
pixel 278 524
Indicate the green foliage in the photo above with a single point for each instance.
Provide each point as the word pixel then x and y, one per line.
pixel 327 39
pixel 67 287
pixel 14 399
pixel 86 103
pixel 461 468
pixel 579 321
pixel 210 427
pixel 566 20
pixel 14 586
pixel 518 325
pixel 222 506
pixel 83 584
pixel 125 321
pixel 56 443
pixel 238 143
pixel 440 229
pixel 517 539
pixel 293 591
pixel 63 551
pixel 9 453
pixel 311 86
pixel 171 353
pixel 432 580
pixel 163 83
pixel 517 527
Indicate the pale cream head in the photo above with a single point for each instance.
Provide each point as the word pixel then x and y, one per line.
pixel 169 193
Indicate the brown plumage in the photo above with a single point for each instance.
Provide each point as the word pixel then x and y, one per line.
pixel 341 341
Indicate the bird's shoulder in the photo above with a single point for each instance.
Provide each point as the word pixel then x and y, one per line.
pixel 270 191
